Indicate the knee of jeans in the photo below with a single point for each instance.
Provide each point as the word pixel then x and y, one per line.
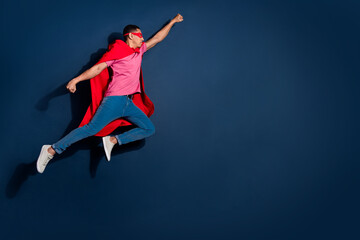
pixel 151 129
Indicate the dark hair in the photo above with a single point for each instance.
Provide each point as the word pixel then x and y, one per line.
pixel 128 29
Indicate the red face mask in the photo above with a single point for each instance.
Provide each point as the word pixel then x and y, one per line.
pixel 137 34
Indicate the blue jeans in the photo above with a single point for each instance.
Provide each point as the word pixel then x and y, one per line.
pixel 111 108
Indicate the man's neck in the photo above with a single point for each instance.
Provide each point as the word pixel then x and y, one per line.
pixel 130 44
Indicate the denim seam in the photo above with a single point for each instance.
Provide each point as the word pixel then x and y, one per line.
pixel 127 103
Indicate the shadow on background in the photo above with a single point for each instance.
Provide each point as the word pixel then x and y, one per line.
pixel 24 170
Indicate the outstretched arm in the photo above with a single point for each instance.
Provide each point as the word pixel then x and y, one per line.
pixel 163 32
pixel 88 74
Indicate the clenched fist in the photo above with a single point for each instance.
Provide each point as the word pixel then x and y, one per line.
pixel 178 18
pixel 71 86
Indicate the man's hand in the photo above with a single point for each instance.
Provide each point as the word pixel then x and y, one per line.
pixel 177 18
pixel 71 86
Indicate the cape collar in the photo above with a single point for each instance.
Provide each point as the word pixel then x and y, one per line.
pixel 136 50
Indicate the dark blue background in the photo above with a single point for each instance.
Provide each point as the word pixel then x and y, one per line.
pixel 256 116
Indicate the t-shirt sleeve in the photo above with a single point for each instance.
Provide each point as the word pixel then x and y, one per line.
pixel 109 63
pixel 143 48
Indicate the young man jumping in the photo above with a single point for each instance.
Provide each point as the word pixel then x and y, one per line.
pixel 118 99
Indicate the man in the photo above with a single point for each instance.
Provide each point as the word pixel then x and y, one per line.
pixel 120 102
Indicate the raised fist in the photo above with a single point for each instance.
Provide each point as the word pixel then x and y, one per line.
pixel 178 18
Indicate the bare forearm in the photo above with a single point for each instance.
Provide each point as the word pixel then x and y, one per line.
pixel 164 31
pixel 88 74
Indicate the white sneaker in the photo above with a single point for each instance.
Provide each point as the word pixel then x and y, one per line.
pixel 44 158
pixel 108 146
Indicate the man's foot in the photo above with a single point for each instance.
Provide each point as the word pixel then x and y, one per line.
pixel 108 146
pixel 44 158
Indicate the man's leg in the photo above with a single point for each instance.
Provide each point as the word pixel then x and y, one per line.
pixel 110 109
pixel 145 127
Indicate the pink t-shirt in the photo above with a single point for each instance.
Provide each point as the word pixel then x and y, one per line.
pixel 126 74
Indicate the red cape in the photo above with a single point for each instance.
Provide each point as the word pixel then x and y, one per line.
pixel 117 50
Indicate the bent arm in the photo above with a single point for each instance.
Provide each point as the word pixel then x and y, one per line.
pixel 88 74
pixel 91 72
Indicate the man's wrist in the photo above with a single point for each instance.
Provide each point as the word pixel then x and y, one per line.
pixel 76 80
